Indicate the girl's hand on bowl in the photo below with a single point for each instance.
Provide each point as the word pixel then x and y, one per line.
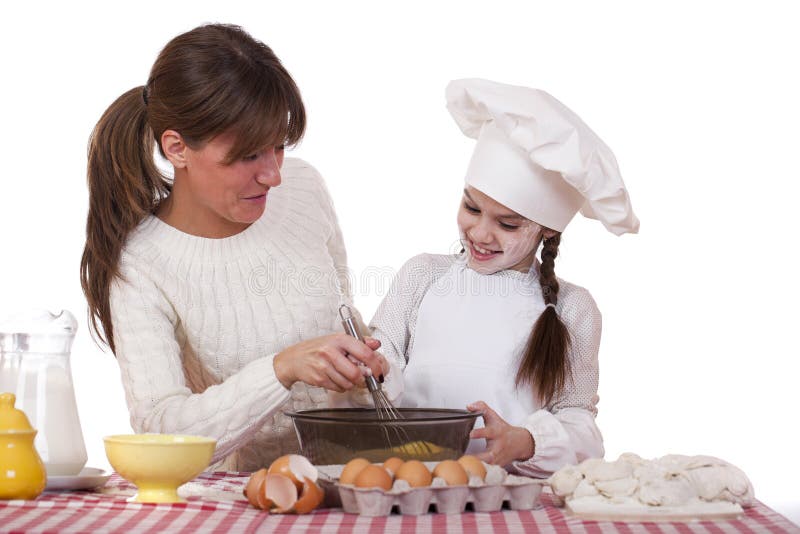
pixel 324 362
pixel 504 443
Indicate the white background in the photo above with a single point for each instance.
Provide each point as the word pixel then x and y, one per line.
pixel 698 101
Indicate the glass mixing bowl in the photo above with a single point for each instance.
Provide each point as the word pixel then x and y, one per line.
pixel 337 435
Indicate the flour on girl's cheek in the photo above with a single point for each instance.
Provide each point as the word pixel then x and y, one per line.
pixel 517 249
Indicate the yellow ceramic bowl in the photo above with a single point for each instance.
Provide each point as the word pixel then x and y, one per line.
pixel 158 463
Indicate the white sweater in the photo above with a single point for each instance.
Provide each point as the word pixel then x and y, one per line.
pixel 197 321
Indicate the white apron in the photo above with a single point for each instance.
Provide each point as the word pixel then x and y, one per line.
pixel 470 333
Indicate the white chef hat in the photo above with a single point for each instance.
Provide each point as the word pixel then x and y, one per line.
pixel 537 157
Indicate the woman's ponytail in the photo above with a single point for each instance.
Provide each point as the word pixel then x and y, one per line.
pixel 545 362
pixel 125 186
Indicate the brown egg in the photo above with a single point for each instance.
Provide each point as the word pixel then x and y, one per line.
pixel 352 469
pixel 415 473
pixel 392 465
pixel 473 466
pixel 452 473
pixel 374 476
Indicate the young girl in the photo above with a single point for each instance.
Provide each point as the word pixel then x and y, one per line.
pixel 493 323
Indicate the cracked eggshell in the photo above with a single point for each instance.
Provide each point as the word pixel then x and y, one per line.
pixel 296 468
pixel 252 487
pixel 278 492
pixel 310 498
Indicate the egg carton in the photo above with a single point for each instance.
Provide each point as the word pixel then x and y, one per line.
pixel 518 493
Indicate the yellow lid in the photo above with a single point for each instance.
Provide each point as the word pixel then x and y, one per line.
pixel 11 419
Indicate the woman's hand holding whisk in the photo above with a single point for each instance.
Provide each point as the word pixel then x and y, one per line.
pixel 504 442
pixel 324 362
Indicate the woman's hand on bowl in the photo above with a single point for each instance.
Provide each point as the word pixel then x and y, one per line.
pixel 324 362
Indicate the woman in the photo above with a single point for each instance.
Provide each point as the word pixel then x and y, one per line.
pixel 205 287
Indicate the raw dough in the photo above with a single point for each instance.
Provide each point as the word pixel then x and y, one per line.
pixel 672 481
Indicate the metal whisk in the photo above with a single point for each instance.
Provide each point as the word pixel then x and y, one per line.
pixel 398 439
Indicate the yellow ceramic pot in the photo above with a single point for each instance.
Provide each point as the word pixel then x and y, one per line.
pixel 22 474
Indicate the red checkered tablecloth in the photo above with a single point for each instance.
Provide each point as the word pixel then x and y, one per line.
pixel 214 505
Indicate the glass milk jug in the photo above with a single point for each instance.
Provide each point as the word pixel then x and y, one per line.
pixel 34 366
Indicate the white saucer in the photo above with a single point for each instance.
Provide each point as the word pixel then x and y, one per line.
pixel 88 478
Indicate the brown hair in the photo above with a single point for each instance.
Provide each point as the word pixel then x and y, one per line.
pixel 211 80
pixel 545 361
